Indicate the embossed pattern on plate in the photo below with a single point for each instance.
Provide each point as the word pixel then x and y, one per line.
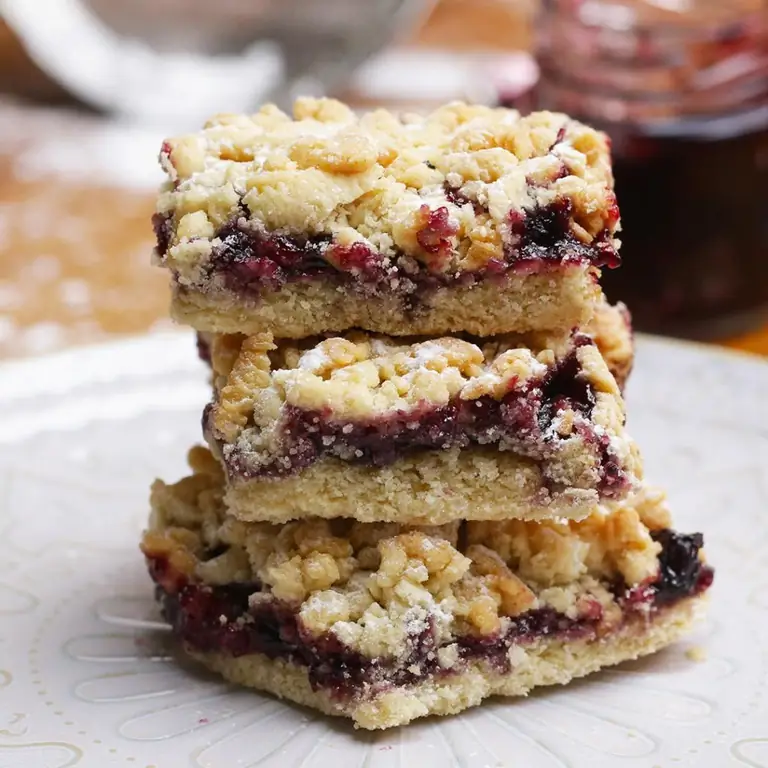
pixel 88 675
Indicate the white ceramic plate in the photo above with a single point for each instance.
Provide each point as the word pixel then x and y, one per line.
pixel 86 678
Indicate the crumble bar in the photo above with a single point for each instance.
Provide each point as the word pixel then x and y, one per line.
pixel 384 623
pixel 389 429
pixel 469 219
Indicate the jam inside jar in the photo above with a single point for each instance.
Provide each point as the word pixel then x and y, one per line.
pixel 681 87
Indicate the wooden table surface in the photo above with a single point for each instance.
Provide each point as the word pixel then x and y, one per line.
pixel 75 240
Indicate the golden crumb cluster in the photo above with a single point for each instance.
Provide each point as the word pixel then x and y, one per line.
pixel 373 584
pixel 375 179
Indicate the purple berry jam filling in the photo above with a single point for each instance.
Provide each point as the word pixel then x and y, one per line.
pixel 682 573
pixel 523 421
pixel 163 228
pixel 250 260
pixel 220 619
pixel 544 235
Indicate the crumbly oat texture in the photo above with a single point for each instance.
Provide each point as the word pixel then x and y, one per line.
pixel 330 221
pixel 549 662
pixel 378 428
pixel 367 178
pixel 372 588
pixel 360 376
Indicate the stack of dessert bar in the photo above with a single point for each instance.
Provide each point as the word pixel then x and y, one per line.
pixel 419 491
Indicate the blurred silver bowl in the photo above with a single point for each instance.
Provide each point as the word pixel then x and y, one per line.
pixel 174 62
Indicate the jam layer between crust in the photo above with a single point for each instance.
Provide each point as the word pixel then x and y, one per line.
pixel 226 619
pixel 248 260
pixel 535 420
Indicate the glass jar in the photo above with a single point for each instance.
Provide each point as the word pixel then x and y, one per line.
pixel 681 87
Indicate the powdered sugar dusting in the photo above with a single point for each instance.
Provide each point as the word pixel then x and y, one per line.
pixel 428 352
pixel 314 359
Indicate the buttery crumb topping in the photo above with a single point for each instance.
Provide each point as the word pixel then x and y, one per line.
pixel 443 190
pixel 363 376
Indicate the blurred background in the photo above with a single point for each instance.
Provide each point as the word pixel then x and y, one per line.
pixel 88 89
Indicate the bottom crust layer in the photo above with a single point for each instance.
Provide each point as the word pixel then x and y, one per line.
pixel 557 298
pixel 432 489
pixel 546 662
